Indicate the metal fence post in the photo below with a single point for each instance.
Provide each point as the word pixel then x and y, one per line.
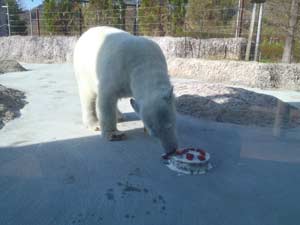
pixel 8 18
pixel 38 21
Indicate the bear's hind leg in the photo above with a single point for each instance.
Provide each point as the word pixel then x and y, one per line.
pixel 88 108
pixel 107 107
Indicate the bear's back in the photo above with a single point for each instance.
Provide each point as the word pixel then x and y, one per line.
pixel 102 50
pixel 89 44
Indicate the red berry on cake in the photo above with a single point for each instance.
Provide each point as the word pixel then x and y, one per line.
pixel 201 157
pixel 179 152
pixel 189 156
pixel 202 152
pixel 184 151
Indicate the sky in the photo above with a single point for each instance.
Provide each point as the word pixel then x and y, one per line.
pixel 29 4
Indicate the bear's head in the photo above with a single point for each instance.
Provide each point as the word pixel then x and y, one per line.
pixel 159 117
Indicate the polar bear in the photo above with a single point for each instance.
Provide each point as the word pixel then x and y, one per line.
pixel 110 64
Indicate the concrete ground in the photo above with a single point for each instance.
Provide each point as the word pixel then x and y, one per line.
pixel 53 171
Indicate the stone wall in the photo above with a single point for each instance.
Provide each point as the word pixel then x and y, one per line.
pixel 37 49
pixel 214 48
pixel 183 61
pixel 250 74
pixel 60 49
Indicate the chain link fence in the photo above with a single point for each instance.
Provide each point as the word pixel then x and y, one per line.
pixel 163 21
pixel 139 22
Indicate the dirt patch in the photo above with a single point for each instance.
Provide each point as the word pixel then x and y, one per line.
pixel 7 66
pixel 233 105
pixel 11 101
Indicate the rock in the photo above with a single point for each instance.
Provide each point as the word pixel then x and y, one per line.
pixel 7 66
pixel 233 105
pixel 11 101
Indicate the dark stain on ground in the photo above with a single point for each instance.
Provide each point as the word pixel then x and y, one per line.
pixel 136 172
pixel 127 188
pixel 130 188
pixel 69 179
pixel 161 198
pixel 128 216
pixel 81 218
pixel 110 194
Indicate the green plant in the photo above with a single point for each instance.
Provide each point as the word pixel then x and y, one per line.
pixel 17 25
pixel 61 17
pixel 272 51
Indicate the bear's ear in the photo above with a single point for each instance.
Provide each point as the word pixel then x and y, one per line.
pixel 168 94
pixel 135 105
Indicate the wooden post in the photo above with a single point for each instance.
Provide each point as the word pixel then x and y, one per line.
pixel 136 20
pixel 290 39
pixel 240 17
pixel 80 21
pixel 249 44
pixel 161 29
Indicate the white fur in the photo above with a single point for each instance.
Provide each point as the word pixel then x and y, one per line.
pixel 110 64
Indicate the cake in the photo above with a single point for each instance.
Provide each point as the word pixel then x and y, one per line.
pixel 190 161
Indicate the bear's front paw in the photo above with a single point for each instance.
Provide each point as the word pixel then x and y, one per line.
pixel 96 128
pixel 114 136
pixel 93 127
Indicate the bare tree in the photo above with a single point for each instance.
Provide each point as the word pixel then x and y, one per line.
pixel 290 39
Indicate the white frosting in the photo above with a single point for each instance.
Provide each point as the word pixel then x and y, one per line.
pixel 180 164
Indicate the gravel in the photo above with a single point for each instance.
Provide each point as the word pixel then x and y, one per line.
pixel 7 66
pixel 11 101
